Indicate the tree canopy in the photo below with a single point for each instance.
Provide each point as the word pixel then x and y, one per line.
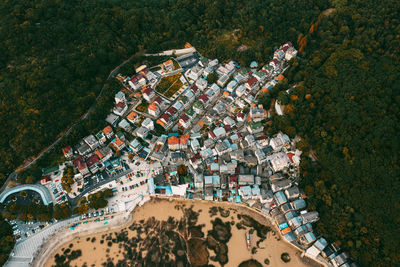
pixel 345 105
pixel 56 57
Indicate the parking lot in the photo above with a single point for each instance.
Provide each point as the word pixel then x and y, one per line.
pixel 23 230
pixel 189 60
pixel 97 213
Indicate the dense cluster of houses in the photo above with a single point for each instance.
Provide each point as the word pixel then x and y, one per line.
pixel 217 132
pixel 96 152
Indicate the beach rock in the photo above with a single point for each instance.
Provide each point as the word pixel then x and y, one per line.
pixel 221 231
pixel 224 213
pixel 198 253
pixel 250 263
pixel 211 242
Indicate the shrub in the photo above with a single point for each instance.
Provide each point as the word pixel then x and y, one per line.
pixel 285 257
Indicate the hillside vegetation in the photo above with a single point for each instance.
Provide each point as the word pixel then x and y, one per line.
pixel 56 57
pixel 346 106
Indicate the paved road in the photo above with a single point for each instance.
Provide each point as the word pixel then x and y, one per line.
pixel 173 51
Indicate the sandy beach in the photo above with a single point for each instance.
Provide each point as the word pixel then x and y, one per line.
pixel 186 238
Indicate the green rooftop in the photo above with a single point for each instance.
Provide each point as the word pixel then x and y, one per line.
pixel 260 73
pixel 50 170
pixel 256 125
pixel 190 112
pixel 197 104
pixel 99 135
pixel 120 135
pixel 184 99
pixel 267 67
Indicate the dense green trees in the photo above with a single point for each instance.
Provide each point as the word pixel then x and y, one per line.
pixel 6 240
pixel 212 78
pixel 347 111
pixel 96 201
pixel 67 179
pixel 56 57
pixel 29 212
pixel 62 211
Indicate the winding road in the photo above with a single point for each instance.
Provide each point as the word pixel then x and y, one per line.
pixel 14 174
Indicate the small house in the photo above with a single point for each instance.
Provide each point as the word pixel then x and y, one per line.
pixel 120 97
pixel 153 109
pixel 148 94
pixel 91 141
pixel 101 138
pixel 133 117
pixel 108 132
pixel 124 124
pixel 252 83
pixel 68 152
pixel 120 109
pixel 118 143
pixel 148 124
pixel 112 119
pixel 280 198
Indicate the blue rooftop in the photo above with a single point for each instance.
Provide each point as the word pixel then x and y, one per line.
pixel 299 204
pixel 120 95
pixel 189 94
pixel 254 64
pixel 216 180
pixel 310 237
pixel 214 166
pixel 296 221
pixel 321 243
pixel 289 237
pixel 208 179
pixel 246 190
pixel 283 225
pixel 290 215
pixel 256 190
pixel 218 193
pixel 234 147
pixel 280 198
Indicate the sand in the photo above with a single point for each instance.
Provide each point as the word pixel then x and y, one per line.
pixel 95 254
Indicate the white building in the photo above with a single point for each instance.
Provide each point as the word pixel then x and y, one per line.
pixel 201 84
pixel 231 86
pixel 240 90
pixel 91 141
pixel 120 97
pixel 195 73
pixel 279 161
pixel 148 124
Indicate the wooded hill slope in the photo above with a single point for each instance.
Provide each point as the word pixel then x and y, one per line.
pixel 56 56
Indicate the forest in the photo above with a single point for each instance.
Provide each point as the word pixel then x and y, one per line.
pixel 345 106
pixel 57 56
